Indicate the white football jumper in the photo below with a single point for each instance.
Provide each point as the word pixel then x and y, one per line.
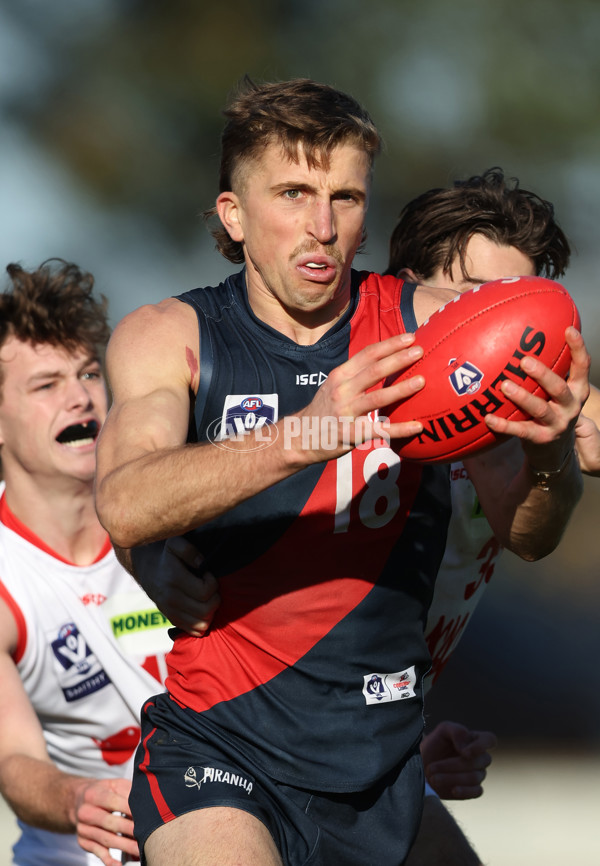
pixel 84 633
pixel 467 567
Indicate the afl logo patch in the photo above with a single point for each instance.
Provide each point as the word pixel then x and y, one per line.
pixel 251 404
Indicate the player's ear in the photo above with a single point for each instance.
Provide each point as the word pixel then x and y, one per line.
pixel 229 211
pixel 408 275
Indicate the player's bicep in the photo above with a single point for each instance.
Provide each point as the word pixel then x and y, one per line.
pixel 142 425
pixel 151 364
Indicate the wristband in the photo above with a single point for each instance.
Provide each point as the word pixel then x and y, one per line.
pixel 542 479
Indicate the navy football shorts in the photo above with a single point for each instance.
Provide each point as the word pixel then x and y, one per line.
pixel 179 770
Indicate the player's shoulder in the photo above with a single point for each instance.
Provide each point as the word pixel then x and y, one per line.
pixel 428 299
pixel 165 323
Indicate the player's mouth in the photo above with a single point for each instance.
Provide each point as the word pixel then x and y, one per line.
pixel 79 435
pixel 318 268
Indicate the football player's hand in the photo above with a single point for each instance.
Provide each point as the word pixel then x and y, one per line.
pixel 548 434
pixel 456 760
pixel 103 820
pixel 348 400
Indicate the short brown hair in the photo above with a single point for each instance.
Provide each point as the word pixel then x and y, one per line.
pixel 54 304
pixel 295 113
pixel 434 228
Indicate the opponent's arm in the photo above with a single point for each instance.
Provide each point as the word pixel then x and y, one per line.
pixel 587 435
pixel 529 512
pixel 151 485
pixel 35 789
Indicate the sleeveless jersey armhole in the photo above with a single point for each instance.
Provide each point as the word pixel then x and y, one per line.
pixel 17 613
pixel 200 399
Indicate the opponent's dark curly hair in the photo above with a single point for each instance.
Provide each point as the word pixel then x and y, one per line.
pixel 434 228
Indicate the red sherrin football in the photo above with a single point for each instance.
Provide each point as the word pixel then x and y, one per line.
pixel 471 344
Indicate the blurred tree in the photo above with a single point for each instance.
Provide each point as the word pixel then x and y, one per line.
pixel 131 94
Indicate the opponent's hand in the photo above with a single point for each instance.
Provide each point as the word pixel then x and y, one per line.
pixel 347 403
pixel 455 760
pixel 103 819
pixel 178 585
pixel 548 435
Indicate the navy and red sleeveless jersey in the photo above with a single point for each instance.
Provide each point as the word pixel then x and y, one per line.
pixel 314 663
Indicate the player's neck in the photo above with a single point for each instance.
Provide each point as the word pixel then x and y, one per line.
pixel 303 326
pixel 62 516
pixel 427 300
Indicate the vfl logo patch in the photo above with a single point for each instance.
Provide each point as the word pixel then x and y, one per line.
pixel 244 414
pixel 79 671
pixel 383 688
pixel 215 774
pixel 466 379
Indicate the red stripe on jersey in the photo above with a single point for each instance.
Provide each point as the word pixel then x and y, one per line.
pixel 150 664
pixel 256 633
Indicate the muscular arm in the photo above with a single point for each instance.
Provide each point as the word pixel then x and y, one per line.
pixel 35 789
pixel 525 519
pixel 151 485
pixel 528 520
pixel 23 758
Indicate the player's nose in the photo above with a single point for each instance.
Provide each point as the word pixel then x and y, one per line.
pixel 321 221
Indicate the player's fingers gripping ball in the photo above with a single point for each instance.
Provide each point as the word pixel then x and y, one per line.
pixel 471 345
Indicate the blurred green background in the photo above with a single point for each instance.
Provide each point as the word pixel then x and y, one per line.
pixel 109 134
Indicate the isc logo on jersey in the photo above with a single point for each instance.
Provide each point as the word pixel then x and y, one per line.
pixel 466 379
pixel 311 378
pixel 244 414
pixel 79 671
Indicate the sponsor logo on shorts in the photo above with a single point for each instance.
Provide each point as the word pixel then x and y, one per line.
pixel 383 688
pixel 196 777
